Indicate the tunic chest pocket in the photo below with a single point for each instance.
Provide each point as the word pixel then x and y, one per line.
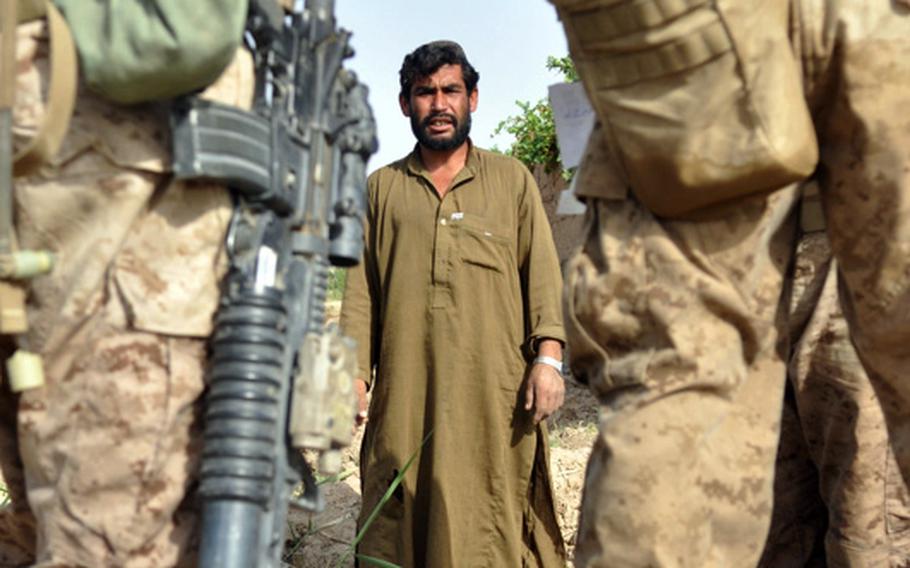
pixel 480 245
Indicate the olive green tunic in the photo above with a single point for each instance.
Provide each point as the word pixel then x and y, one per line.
pixel 449 292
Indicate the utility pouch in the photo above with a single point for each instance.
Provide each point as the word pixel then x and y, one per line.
pixel 701 101
pixel 132 51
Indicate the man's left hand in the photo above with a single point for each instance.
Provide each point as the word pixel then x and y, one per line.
pixel 544 392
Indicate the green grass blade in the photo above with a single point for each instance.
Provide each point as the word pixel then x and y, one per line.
pixel 377 561
pixel 388 495
pixel 335 478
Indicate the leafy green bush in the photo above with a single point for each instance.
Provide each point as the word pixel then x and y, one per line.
pixel 534 129
pixel 535 135
pixel 564 65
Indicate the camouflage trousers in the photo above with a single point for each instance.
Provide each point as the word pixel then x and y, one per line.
pixel 106 460
pixel 839 498
pixel 99 462
pixel 681 345
pixel 681 326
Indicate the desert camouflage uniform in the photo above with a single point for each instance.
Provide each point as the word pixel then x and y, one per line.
pixel 108 446
pixel 681 325
pixel 839 498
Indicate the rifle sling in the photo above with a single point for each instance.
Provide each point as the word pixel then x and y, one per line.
pixel 61 91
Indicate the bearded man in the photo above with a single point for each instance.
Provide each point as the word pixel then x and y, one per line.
pixel 456 308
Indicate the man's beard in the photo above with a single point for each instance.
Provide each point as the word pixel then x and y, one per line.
pixel 462 129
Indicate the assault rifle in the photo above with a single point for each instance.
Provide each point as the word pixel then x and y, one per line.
pixel 278 382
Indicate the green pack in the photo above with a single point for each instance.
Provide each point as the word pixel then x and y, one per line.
pixel 132 51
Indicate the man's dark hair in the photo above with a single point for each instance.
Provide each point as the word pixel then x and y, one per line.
pixel 426 59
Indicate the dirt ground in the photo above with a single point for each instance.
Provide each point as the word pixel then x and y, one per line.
pixel 321 540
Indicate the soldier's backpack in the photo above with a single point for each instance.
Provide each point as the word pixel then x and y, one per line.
pixel 140 50
pixel 701 102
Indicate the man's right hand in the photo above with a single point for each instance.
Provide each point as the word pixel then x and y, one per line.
pixel 361 387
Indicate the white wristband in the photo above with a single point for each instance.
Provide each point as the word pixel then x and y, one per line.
pixel 551 361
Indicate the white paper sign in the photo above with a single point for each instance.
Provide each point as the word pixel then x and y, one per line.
pixel 574 120
pixel 569 204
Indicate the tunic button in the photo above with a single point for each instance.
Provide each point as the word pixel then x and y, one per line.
pixel 442 221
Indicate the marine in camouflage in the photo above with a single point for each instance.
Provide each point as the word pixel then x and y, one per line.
pixel 681 326
pixel 107 448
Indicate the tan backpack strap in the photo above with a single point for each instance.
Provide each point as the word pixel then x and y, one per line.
pixel 61 96
pixel 8 19
pixel 31 10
